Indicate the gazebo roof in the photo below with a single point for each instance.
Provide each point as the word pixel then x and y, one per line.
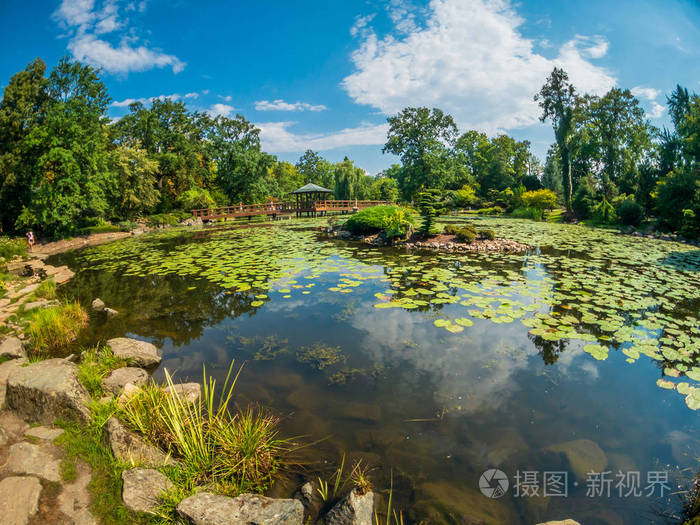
pixel 312 188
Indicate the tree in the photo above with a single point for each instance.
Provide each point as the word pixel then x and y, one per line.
pixel 422 138
pixel 551 175
pixel 430 208
pixel 135 191
pixel 315 169
pixel 558 101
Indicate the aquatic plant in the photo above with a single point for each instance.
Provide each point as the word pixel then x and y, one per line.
pixel 320 356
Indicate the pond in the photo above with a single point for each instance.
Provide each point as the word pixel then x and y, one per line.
pixel 572 368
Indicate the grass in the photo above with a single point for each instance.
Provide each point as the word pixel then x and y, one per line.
pixel 236 452
pixel 45 290
pixel 51 330
pixel 95 364
pixel 9 248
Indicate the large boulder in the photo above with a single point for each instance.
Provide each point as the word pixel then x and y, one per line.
pixel 137 352
pixel 142 489
pixel 12 347
pixel 131 448
pixel 188 392
pixel 206 508
pixel 27 458
pixel 114 382
pixel 6 369
pixel 19 499
pixel 353 509
pixel 44 391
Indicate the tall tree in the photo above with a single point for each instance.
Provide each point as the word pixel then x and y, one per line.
pixel 315 169
pixel 558 101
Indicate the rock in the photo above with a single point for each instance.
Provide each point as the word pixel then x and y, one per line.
pixel 46 433
pixel 206 508
pixel 583 456
pixel 560 522
pixel 46 390
pixel 362 412
pixel 140 353
pixel 130 390
pixel 63 275
pixel 111 312
pixel 41 303
pixel 74 500
pixel 311 500
pixel 353 509
pixel 142 489
pixel 115 381
pixel 131 448
pixel 189 392
pixel 12 347
pixel 13 426
pixel 19 499
pixel 98 305
pixel 27 458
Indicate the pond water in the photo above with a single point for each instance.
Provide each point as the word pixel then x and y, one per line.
pixel 577 356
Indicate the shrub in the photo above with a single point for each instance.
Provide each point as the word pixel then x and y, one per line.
pixel 162 219
pixel 196 198
pixel 527 213
pixel 493 210
pixel 629 212
pixel 9 248
pixel 604 213
pixel 430 209
pixel 487 234
pixel 466 233
pixel 53 329
pixel 127 226
pixel 539 199
pixel 378 218
pixel 584 200
pixel 101 228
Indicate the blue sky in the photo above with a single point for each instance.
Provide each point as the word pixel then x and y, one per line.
pixel 326 74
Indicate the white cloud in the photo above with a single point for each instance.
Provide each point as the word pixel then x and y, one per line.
pixel 146 100
pixel 646 92
pixel 191 95
pixel 226 98
pixel 281 105
pixel 276 137
pixel 361 22
pixel 470 59
pixel 122 53
pixel 220 109
pixel 657 109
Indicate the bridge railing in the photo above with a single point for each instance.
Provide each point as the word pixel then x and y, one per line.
pixel 276 208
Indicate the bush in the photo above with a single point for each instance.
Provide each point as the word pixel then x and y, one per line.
pixel 629 212
pixel 493 210
pixel 53 329
pixel 379 218
pixel 466 233
pixel 164 219
pixel 489 235
pixel 527 213
pixel 196 198
pixel 9 248
pixel 127 226
pixel 102 228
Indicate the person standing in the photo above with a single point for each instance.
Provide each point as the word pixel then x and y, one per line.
pixel 30 240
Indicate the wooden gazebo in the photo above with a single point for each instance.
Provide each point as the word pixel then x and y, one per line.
pixel 308 197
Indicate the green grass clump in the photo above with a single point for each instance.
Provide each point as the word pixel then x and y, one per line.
pixel 9 248
pixel 493 210
pixel 46 290
pixel 101 228
pixel 236 452
pixel 486 234
pixel 95 364
pixel 394 220
pixel 533 214
pixel 51 330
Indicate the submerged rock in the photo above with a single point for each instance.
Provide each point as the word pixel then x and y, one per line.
pixel 560 522
pixel 206 508
pixel 114 382
pixel 19 499
pixel 583 456
pixel 353 509
pixel 12 347
pixel 140 353
pixel 46 390
pixel 131 448
pixel 142 489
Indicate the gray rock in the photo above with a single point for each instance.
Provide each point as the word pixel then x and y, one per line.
pixel 142 489
pixel 189 392
pixel 130 390
pixel 353 509
pixel 140 353
pixel 206 508
pixel 12 347
pixel 13 426
pixel 74 500
pixel 310 499
pixel 98 305
pixel 19 499
pixel 46 390
pixel 27 458
pixel 5 369
pixel 111 312
pixel 131 448
pixel 115 381
pixel 45 433
pixel 560 522
pixel 41 303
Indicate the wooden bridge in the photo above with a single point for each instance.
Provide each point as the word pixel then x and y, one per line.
pixel 279 209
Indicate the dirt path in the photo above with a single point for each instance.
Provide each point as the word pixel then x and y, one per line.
pixel 64 245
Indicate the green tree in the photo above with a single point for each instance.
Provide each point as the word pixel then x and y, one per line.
pixel 430 207
pixel 539 199
pixel 315 169
pixel 135 191
pixel 558 101
pixel 422 138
